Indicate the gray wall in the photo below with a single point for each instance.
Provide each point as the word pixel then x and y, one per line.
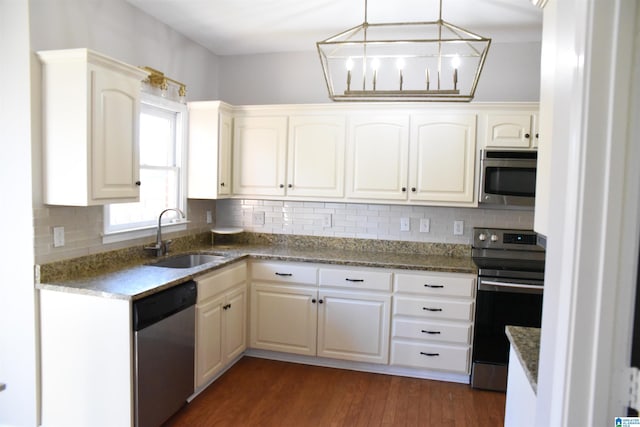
pixel 511 73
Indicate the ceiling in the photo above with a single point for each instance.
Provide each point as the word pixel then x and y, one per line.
pixel 238 27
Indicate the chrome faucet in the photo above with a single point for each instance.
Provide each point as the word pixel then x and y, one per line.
pixel 162 248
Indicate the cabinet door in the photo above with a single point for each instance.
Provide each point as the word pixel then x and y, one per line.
pixel 509 130
pixel 283 318
pixel 209 338
pixel 316 156
pixel 354 326
pixel 259 155
pixel 443 158
pixel 225 134
pixel 209 166
pixel 378 150
pixel 235 325
pixel 114 145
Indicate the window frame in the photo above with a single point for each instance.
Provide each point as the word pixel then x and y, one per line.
pixel 134 231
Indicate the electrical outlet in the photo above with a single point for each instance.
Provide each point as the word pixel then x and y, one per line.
pixel 58 237
pixel 209 217
pixel 326 220
pixel 405 224
pixel 458 228
pixel 258 218
pixel 425 225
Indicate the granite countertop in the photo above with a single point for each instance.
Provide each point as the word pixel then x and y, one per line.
pixel 138 279
pixel 526 345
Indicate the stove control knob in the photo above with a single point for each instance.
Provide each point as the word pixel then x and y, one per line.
pixel 494 237
pixel 482 237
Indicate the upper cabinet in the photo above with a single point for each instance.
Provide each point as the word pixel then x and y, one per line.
pixel 210 138
pixel 378 152
pixel 507 129
pixel 442 153
pixel 91 106
pixel 260 155
pixel 294 156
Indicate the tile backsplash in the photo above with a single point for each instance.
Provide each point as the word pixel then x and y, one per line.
pixel 364 221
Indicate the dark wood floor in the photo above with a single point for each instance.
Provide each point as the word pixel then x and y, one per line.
pixel 258 392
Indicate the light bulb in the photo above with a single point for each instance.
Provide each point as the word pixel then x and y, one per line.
pixel 400 63
pixel 349 64
pixel 375 64
pixel 455 61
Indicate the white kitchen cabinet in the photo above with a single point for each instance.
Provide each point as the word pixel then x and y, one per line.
pixel 377 157
pixel 86 354
pixel 210 142
pixel 505 129
pixel 442 158
pixel 91 106
pixel 347 318
pixel 315 156
pixel 432 325
pixel 520 406
pixel 221 312
pixel 259 155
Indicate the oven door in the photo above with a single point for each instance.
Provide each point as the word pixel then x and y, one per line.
pixel 501 302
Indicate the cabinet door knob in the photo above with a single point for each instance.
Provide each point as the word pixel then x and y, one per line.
pixel 138 183
pixel 404 189
pixel 526 135
pixel 413 189
pixel 537 135
pixel 290 185
pixel 281 185
pixel 320 301
pixel 222 184
pixel 313 301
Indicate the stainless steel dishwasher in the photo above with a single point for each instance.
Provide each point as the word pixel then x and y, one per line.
pixel 164 330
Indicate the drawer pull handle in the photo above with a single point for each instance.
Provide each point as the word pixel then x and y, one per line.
pixel 429 354
pixel 431 309
pixel 354 280
pixel 426 285
pixel 284 274
pixel 431 332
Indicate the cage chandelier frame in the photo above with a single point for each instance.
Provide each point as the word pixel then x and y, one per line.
pixel 435 61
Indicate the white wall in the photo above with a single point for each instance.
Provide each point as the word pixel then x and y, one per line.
pixel 511 73
pixel 18 362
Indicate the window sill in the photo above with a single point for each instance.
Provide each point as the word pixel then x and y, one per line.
pixel 139 233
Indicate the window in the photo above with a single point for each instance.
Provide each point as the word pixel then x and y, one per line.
pixel 162 137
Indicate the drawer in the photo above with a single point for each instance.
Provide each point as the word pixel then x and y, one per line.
pixel 284 272
pixel 433 308
pixel 219 281
pixel 459 333
pixel 441 284
pixel 430 356
pixel 355 279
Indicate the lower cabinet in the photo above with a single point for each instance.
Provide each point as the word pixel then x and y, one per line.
pixel 300 318
pixel 221 312
pixel 432 326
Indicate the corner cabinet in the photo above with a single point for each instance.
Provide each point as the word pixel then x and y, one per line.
pixel 210 139
pixel 91 106
pixel 221 312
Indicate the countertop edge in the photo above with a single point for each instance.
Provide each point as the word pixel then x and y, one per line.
pixel 526 345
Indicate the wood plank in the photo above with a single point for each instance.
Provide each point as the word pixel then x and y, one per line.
pixel 261 392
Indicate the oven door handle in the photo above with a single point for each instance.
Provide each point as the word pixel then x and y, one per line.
pixel 495 286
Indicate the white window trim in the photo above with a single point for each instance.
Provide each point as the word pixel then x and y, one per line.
pixel 181 158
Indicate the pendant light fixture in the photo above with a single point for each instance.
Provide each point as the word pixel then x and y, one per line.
pixel 406 61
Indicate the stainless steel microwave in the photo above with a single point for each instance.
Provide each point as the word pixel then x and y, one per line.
pixel 507 178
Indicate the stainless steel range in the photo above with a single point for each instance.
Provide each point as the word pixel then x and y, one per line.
pixel 510 288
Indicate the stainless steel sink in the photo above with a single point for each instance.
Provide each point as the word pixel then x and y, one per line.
pixel 187 260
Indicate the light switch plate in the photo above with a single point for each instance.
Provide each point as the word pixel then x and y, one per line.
pixel 458 228
pixel 58 237
pixel 425 225
pixel 326 220
pixel 405 224
pixel 258 218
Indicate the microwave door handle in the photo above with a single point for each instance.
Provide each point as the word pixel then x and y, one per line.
pixel 495 286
